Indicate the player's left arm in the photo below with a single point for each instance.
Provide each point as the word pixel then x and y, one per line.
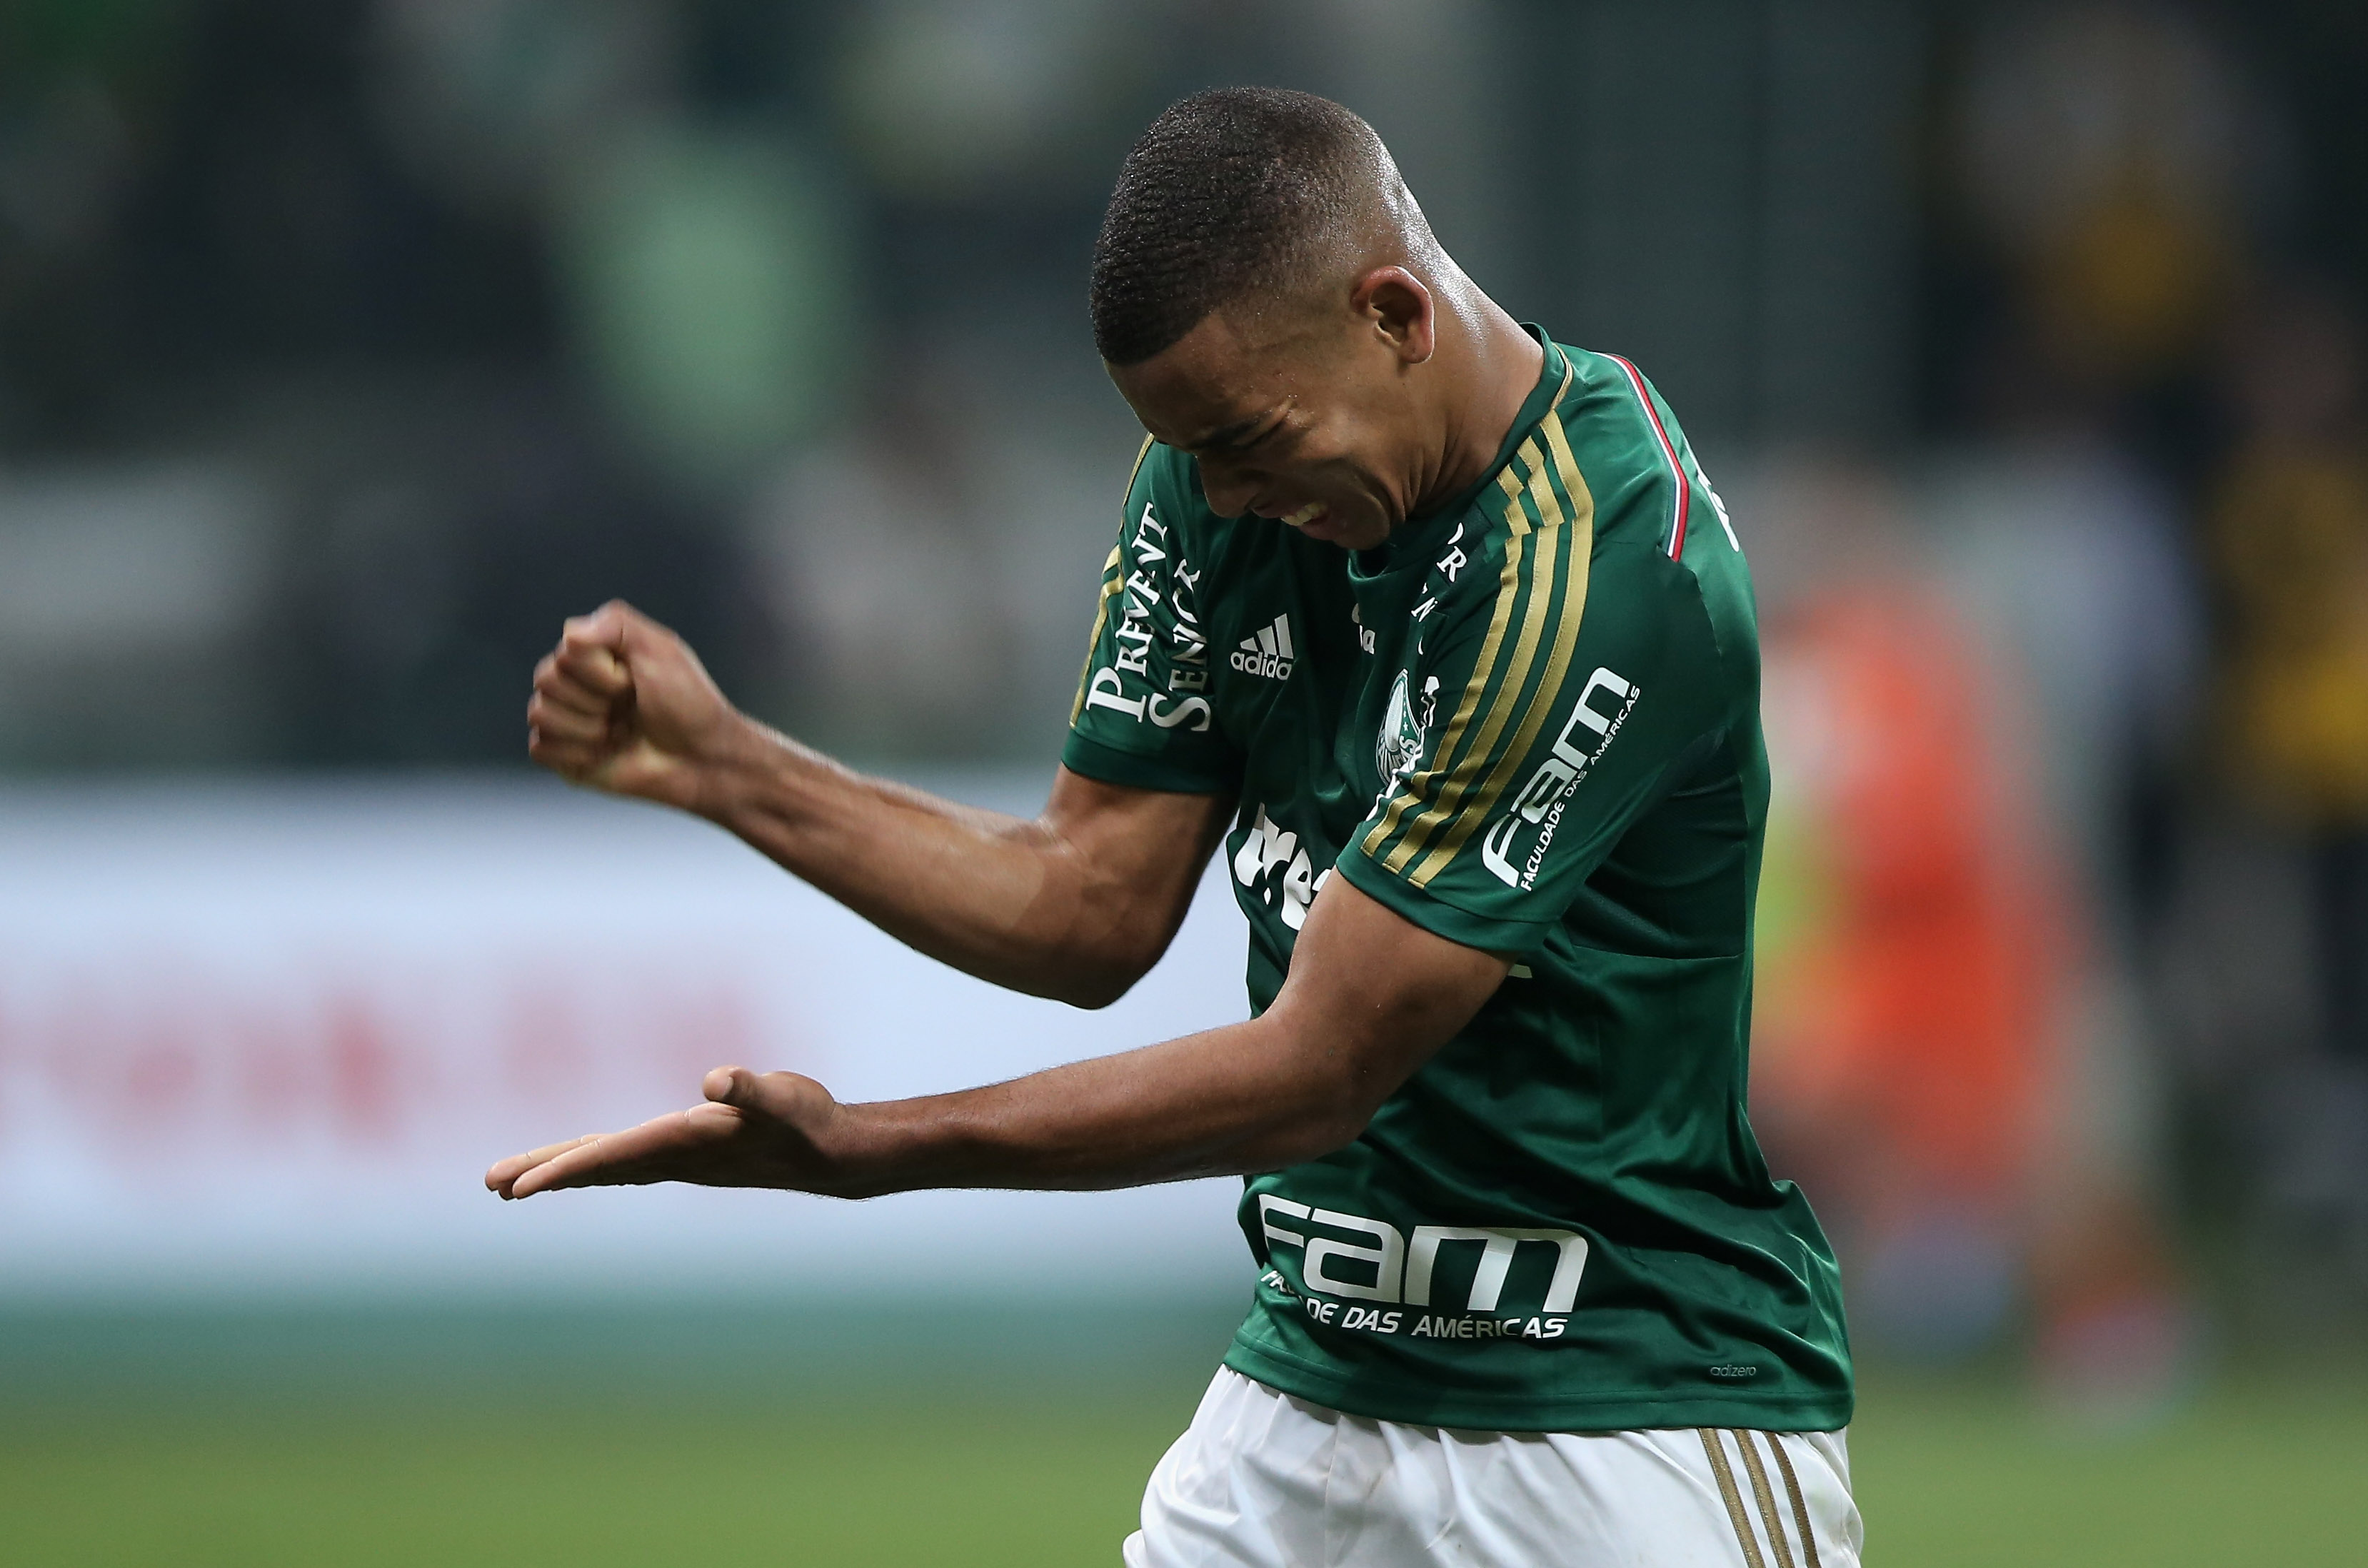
pixel 1370 997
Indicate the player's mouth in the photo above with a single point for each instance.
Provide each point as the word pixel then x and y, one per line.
pixel 1306 515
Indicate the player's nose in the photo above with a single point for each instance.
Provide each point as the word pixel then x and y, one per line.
pixel 1228 491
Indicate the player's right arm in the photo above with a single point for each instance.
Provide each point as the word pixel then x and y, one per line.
pixel 1076 905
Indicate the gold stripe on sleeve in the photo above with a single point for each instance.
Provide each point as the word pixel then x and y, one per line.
pixel 1111 589
pixel 1725 1474
pixel 1526 585
pixel 1800 1508
pixel 1577 546
pixel 1537 594
pixel 1765 1498
pixel 1411 794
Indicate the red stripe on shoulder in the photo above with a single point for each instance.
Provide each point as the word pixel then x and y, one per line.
pixel 1668 455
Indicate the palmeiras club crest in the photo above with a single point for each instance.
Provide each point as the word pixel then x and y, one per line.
pixel 1397 749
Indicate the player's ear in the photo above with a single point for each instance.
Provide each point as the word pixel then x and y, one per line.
pixel 1398 308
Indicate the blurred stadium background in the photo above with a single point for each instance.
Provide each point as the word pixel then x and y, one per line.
pixel 347 345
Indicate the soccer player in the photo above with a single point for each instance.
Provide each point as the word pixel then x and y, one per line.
pixel 1438 623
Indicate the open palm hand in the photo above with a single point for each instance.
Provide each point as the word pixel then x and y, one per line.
pixel 755 1130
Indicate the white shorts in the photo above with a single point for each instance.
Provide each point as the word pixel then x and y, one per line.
pixel 1261 1480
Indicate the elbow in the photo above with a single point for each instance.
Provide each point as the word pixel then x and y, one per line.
pixel 1309 1138
pixel 1338 1126
pixel 1095 984
pixel 1094 974
pixel 1331 1113
pixel 1092 993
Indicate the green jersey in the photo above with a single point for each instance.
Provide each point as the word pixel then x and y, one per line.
pixel 1530 724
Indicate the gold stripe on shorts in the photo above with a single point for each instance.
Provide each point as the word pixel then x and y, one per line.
pixel 1716 1451
pixel 1765 1498
pixel 1800 1508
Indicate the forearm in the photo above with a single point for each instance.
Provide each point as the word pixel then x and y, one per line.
pixel 999 897
pixel 1076 905
pixel 1229 1101
pixel 1368 998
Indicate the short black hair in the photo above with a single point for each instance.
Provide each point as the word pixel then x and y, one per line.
pixel 1231 191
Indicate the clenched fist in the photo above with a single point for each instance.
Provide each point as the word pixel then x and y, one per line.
pixel 623 705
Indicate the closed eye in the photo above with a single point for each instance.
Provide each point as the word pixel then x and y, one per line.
pixel 1249 436
pixel 1251 443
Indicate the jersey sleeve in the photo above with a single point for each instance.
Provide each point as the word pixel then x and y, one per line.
pixel 1572 692
pixel 1145 714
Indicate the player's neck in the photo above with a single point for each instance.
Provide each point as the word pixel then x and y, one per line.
pixel 1490 367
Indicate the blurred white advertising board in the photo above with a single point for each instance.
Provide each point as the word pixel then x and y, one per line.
pixel 263 1038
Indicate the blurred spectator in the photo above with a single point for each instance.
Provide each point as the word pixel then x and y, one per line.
pixel 1946 1051
pixel 879 565
pixel 1909 960
pixel 2117 171
pixel 2289 547
pixel 711 293
pixel 2106 146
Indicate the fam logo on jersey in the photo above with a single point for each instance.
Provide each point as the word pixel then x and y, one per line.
pixel 1269 654
pixel 1372 1260
pixel 1549 788
pixel 1397 748
pixel 1272 864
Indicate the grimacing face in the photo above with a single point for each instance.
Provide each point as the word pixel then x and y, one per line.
pixel 1302 415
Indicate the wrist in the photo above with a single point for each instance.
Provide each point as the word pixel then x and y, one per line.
pixel 872 1149
pixel 728 771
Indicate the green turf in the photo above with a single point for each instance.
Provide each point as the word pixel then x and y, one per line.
pixel 271 1448
pixel 2264 1469
pixel 615 1487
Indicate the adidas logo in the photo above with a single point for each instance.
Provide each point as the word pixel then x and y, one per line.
pixel 1269 654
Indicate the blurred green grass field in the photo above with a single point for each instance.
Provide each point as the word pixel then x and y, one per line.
pixel 860 1437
